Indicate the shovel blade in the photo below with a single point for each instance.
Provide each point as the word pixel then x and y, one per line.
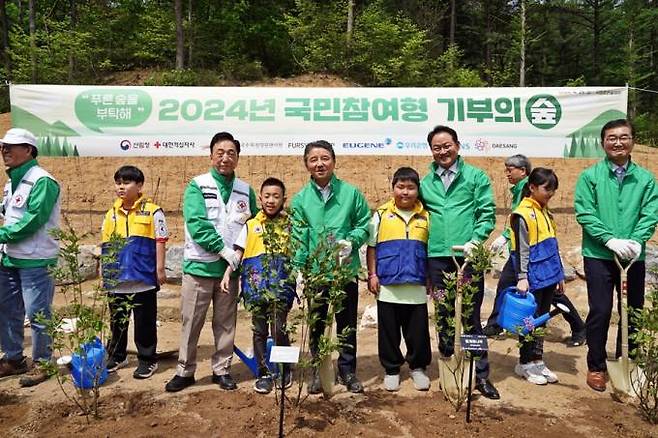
pixel 626 378
pixel 327 376
pixel 453 376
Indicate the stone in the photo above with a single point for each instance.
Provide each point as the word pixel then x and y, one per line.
pixel 174 264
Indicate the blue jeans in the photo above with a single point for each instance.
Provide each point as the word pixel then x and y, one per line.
pixel 25 290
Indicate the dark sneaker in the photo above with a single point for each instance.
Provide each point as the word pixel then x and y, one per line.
pixel 351 382
pixel 113 365
pixel 264 385
pixel 145 370
pixel 492 330
pixel 33 377
pixel 315 386
pixel 179 383
pixel 225 381
pixel 577 339
pixel 13 367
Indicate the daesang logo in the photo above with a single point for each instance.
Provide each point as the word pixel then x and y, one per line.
pixel 364 145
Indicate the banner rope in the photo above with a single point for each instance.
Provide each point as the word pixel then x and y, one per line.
pixel 643 89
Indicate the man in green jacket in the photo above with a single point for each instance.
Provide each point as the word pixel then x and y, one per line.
pixel 327 206
pixel 30 208
pixel 216 206
pixel 460 200
pixel 616 204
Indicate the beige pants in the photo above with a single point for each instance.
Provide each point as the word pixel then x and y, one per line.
pixel 196 295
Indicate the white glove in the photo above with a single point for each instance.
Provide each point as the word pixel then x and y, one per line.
pixel 623 248
pixel 468 248
pixel 636 249
pixel 498 244
pixel 344 250
pixel 231 257
pixel 300 280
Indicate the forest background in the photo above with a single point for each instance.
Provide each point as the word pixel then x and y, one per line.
pixel 410 43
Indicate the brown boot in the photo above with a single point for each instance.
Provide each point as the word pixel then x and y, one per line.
pixel 596 380
pixel 12 367
pixel 35 376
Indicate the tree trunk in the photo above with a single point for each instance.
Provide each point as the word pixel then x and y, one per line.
pixel 5 39
pixel 350 20
pixel 453 20
pixel 190 35
pixel 74 25
pixel 180 40
pixel 33 38
pixel 596 29
pixel 487 41
pixel 20 14
pixel 522 48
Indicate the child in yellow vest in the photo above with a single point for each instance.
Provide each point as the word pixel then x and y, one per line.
pixel 536 258
pixel 397 271
pixel 134 279
pixel 265 277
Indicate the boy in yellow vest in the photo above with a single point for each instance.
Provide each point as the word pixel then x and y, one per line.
pixel 266 288
pixel 397 273
pixel 134 279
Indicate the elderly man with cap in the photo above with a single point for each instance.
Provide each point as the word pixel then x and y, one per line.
pixel 30 207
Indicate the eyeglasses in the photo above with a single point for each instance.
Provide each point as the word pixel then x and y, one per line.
pixel 442 147
pixel 5 147
pixel 622 138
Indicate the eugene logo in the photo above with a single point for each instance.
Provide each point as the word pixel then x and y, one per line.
pixel 543 111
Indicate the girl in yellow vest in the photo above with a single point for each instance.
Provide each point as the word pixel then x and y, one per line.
pixel 397 273
pixel 537 263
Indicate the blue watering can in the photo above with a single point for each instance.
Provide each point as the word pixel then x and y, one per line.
pixel 517 312
pixel 251 363
pixel 89 367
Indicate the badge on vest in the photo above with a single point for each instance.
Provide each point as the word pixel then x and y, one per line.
pixel 19 200
pixel 242 206
pixel 258 229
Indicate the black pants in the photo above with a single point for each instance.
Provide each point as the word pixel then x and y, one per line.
pixel 261 328
pixel 533 349
pixel 437 267
pixel 603 278
pixel 345 318
pixel 412 321
pixel 145 310
pixel 508 278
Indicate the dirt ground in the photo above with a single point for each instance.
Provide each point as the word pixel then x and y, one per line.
pixel 142 408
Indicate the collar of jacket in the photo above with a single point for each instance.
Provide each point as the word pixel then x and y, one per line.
pixel 630 166
pixel 16 174
pixel 460 164
pixel 528 202
pixel 139 203
pixel 417 210
pixel 333 182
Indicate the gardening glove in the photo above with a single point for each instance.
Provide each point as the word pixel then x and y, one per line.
pixel 468 248
pixel 636 249
pixel 344 251
pixel 498 244
pixel 621 247
pixel 231 257
pixel 300 281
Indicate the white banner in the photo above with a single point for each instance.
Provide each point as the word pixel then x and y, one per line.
pixel 168 121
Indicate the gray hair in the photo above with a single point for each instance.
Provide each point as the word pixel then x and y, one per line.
pixel 519 161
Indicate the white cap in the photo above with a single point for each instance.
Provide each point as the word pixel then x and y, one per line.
pixel 19 136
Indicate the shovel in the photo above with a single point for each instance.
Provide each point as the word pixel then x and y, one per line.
pixel 326 368
pixel 625 376
pixel 453 378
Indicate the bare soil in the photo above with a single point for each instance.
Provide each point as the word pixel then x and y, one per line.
pixel 142 408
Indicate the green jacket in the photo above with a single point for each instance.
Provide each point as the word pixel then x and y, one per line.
pixel 466 212
pixel 606 209
pixel 41 202
pixel 517 195
pixel 345 215
pixel 202 230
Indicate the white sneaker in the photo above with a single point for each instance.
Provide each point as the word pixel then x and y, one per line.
pixel 392 382
pixel 421 381
pixel 550 376
pixel 531 373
